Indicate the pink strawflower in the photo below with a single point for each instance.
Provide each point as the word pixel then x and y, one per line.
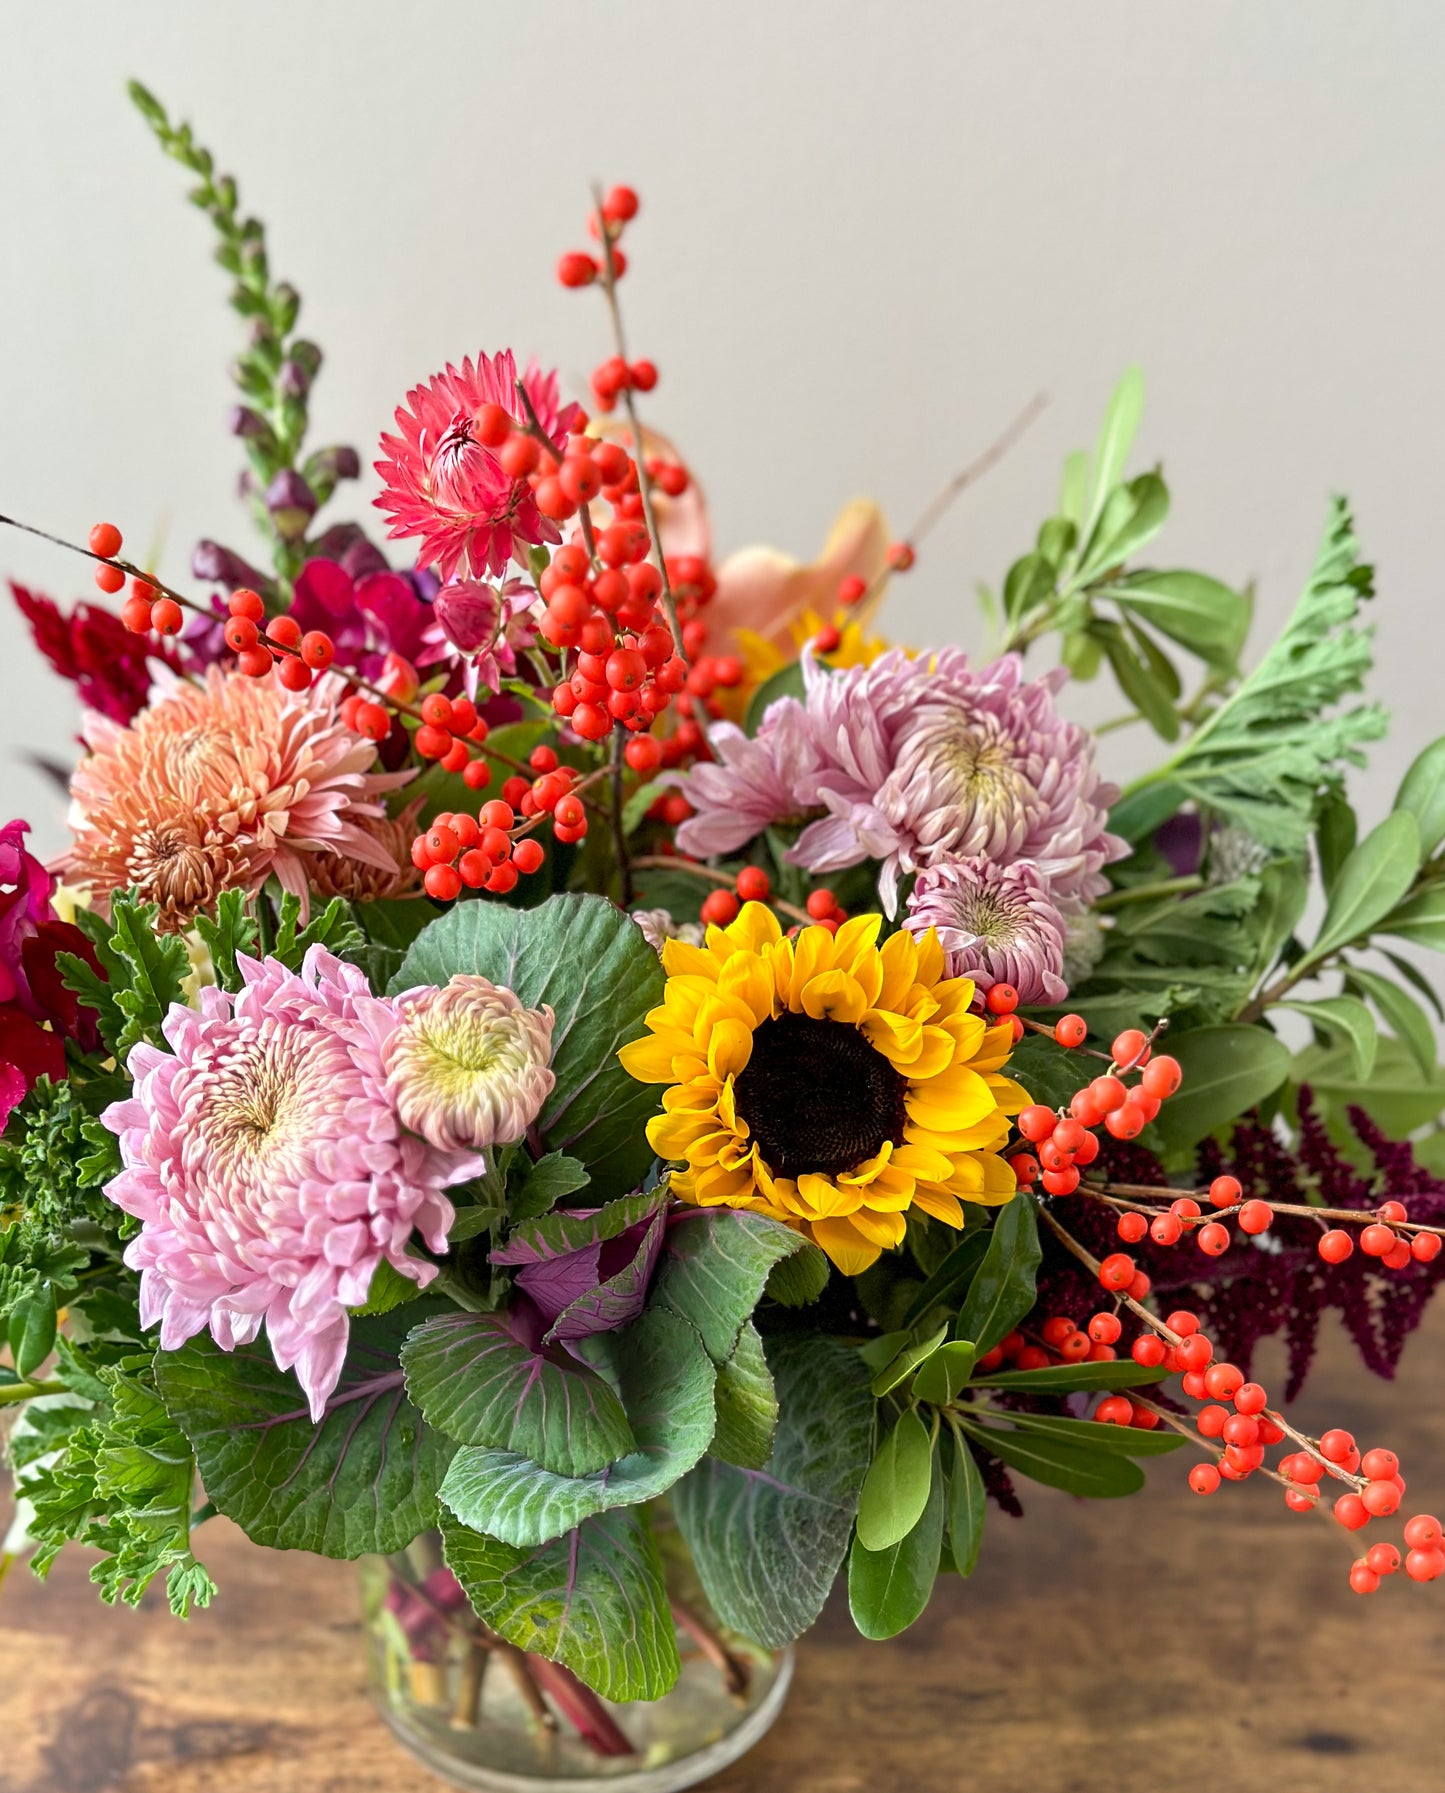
pixel 269 1167
pixel 928 759
pixel 469 1064
pixel 219 784
pixel 996 924
pixel 441 484
pixel 753 783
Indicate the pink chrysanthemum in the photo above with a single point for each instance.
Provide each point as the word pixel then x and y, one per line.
pixel 929 760
pixel 469 1064
pixel 996 923
pixel 440 483
pixel 753 783
pixel 269 1168
pixel 218 784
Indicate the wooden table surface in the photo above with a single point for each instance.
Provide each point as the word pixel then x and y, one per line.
pixel 1161 1644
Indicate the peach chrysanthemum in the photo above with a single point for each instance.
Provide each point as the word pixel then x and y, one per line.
pixel 217 785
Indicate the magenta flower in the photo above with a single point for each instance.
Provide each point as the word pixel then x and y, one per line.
pixel 37 1012
pixel 929 760
pixel 996 923
pixel 269 1168
pixel 753 783
pixel 367 615
pixel 440 483
pixel 480 628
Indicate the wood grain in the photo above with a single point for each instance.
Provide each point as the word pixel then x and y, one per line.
pixel 1165 1643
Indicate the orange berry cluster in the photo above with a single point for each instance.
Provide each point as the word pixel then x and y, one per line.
pixel 491 850
pixel 257 644
pixel 1379 1239
pixel 1236 1416
pixel 577 267
pixel 1065 1141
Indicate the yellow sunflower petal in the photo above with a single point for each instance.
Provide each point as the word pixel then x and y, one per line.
pixel 938 1204
pixel 755 928
pixel 834 996
pixel 674 1135
pixel 746 980
pixel 898 957
pixel 679 959
pixel 957 1098
pixel 897 1037
pixel 845 1245
pixel 653 1058
pixel 856 939
pixel 812 956
pixel 1011 1097
pixel 819 1197
pixel 937 1050
pixel 930 959
pixel 729 1047
pixel 885 1230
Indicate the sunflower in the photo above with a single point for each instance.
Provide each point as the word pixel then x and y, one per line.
pixel 826 1081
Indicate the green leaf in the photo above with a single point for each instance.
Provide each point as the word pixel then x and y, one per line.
pixel 665 1382
pixel 895 1490
pixel 1097 1435
pixel 333 928
pixel 144 972
pixel 1421 919
pixel 635 809
pixel 590 963
pixel 888 1589
pixel 1133 515
pixel 1336 832
pixel 122 1483
pixel 953 1276
pixel 1227 1071
pixel 545 1183
pixel 594 1600
pixel 389 1289
pixel 1030 580
pixel 1098 1474
pixel 1397 1096
pixel 1198 612
pixel 787 681
pixel 1422 793
pixel 476 1380
pixel 32 1332
pixel 1136 680
pixel 1416 979
pixel 1074 488
pixel 767 1544
pixel 232 931
pixel 799 1280
pixel 901 1366
pixel 1344 1018
pixel 1111 451
pixel 1262 756
pixel 1371 882
pixel 1406 1018
pixel 360 1483
pixel 1069 1378
pixel 714 1265
pixel 1283 892
pixel 1003 1290
pixel 966 1497
pixel 747 1405
pixel 945 1372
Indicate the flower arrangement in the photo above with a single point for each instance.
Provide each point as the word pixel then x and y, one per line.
pixel 568 1044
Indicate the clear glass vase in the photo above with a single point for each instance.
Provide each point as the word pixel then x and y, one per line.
pixel 481 1714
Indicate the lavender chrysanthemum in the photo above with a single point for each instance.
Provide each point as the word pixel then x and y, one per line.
pixel 929 760
pixel 997 925
pixel 753 783
pixel 468 1065
pixel 269 1168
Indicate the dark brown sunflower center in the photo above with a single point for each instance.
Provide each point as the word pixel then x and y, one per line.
pixel 817 1097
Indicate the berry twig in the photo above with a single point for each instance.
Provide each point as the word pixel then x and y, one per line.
pixel 674 862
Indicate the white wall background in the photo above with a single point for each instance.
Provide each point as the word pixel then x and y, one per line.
pixel 870 232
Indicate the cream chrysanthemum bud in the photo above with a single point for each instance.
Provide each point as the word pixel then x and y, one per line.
pixel 468 1064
